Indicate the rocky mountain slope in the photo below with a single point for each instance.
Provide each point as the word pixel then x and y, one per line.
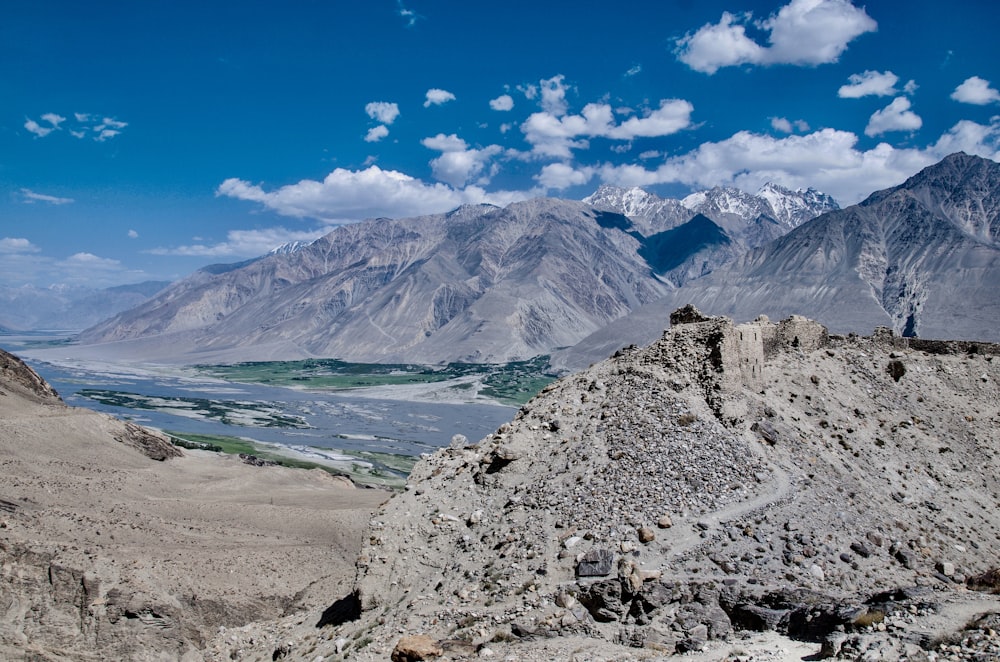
pixel 711 228
pixel 922 258
pixel 114 546
pixel 724 481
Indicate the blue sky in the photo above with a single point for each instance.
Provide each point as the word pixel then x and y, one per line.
pixel 143 140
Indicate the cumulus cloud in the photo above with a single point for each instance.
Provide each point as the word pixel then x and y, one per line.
pixel 351 195
pixel 382 111
pixel 458 163
pixel 724 44
pixel 245 243
pixel 436 97
pixel 869 83
pixel 803 32
pixel 503 102
pixel 17 245
pixel 897 116
pixel 553 93
pixel 781 124
pixel 30 197
pixel 376 133
pixel 827 159
pixel 560 176
pixel 976 90
pixel 552 135
pixel 132 234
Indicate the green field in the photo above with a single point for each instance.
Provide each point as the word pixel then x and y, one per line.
pixel 509 383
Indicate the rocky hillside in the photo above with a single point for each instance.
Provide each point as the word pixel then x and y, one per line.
pixel 922 258
pixel 726 480
pixel 108 552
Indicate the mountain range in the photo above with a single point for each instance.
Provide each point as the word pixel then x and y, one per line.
pixel 72 308
pixel 481 283
pixel 490 284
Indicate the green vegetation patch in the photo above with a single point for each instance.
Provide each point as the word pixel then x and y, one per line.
pixel 510 383
pixel 368 468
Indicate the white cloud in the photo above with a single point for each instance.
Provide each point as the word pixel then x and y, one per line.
pixel 897 116
pixel 650 154
pixel 106 128
pixel 37 129
pixel 634 70
pixel 870 83
pixel 91 261
pixel 827 159
pixel 437 97
pixel 132 234
pixel 53 119
pixel 503 102
pixel 672 116
pixel 781 124
pixel 408 15
pixel 560 176
pixel 17 245
pixel 349 195
pixel 976 90
pixel 30 197
pixel 803 32
pixel 458 163
pixel 555 136
pixel 376 133
pixel 383 111
pixel 724 44
pixel 246 243
pixel 554 95
pixel 784 125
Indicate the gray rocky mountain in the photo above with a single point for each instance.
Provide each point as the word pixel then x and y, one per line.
pixel 71 308
pixel 726 481
pixel 922 258
pixel 711 228
pixel 477 284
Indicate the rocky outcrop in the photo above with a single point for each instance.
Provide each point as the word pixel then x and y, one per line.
pixel 15 373
pixel 726 478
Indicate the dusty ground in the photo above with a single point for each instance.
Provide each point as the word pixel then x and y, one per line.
pixel 108 554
